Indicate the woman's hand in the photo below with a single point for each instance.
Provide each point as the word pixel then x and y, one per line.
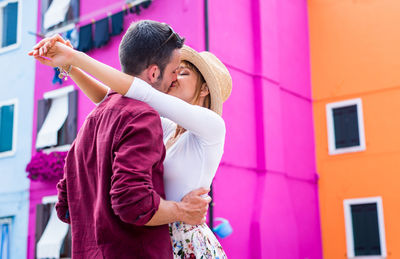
pixel 54 51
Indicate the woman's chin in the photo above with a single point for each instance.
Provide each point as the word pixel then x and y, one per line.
pixel 171 91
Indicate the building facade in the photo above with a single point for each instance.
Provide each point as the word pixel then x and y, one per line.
pixel 16 104
pixel 354 57
pixel 267 184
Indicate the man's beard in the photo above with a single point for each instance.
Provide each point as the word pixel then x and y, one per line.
pixel 159 85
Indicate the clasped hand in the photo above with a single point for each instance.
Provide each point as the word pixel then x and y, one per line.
pixel 54 51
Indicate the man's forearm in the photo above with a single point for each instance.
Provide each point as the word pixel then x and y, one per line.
pixel 168 212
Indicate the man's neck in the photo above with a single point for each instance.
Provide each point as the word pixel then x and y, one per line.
pixel 144 78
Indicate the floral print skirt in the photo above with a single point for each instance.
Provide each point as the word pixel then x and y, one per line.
pixel 194 242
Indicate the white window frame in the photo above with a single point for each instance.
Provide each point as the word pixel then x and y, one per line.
pixel 18 43
pixel 331 129
pixel 54 94
pixel 15 131
pixel 349 226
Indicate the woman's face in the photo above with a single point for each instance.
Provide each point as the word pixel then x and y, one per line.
pixel 185 86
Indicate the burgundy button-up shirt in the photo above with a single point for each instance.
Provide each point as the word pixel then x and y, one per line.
pixel 113 181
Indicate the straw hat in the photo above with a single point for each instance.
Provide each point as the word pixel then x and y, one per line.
pixel 215 73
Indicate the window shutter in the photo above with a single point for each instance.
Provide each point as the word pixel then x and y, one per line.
pixel 346 127
pixel 365 229
pixel 43 212
pixel 67 134
pixel 6 127
pixel 10 22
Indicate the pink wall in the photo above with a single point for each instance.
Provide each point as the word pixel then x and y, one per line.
pixel 272 201
pixel 266 185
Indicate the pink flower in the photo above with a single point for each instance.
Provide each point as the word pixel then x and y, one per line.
pixel 46 167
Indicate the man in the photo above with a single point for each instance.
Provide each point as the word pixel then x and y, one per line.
pixel 112 191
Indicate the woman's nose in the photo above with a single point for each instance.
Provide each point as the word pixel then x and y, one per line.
pixel 175 77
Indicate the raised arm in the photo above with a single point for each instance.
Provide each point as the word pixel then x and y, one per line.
pixel 204 123
pixel 55 52
pixel 95 90
pixel 92 88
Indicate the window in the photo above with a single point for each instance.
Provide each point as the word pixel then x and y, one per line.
pixel 56 119
pixel 52 236
pixel 8 127
pixel 9 24
pixel 57 14
pixel 345 127
pixel 5 228
pixel 365 232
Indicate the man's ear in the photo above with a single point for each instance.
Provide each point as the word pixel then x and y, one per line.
pixel 153 73
pixel 204 90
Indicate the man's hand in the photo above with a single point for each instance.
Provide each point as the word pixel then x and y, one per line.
pixel 194 206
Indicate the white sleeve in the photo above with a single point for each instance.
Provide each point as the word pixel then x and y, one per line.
pixel 167 126
pixel 108 92
pixel 202 122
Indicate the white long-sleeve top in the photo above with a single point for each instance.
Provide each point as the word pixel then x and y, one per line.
pixel 192 161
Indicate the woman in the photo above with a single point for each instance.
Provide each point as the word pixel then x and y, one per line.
pixel 194 132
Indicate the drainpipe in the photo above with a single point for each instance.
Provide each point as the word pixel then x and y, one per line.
pixel 207 48
pixel 255 232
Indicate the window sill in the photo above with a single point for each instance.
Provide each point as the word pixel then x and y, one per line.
pixel 7 154
pixel 56 149
pixel 9 48
pixel 347 150
pixel 368 257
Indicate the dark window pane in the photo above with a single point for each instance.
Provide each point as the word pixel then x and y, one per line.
pixel 365 229
pixel 345 120
pixel 67 133
pixel 6 127
pixel 10 22
pixel 43 212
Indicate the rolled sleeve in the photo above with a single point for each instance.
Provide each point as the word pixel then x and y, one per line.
pixel 138 149
pixel 62 204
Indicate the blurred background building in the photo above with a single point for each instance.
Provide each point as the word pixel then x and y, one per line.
pixel 267 183
pixel 355 78
pixel 16 103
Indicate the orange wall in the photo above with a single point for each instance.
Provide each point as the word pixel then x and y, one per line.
pixel 355 53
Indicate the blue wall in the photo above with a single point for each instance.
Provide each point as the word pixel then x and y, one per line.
pixel 17 73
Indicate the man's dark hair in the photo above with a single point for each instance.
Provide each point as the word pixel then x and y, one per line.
pixel 145 43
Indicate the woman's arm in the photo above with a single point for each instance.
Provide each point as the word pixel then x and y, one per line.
pixel 113 78
pixel 203 122
pixel 54 52
pixel 95 90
